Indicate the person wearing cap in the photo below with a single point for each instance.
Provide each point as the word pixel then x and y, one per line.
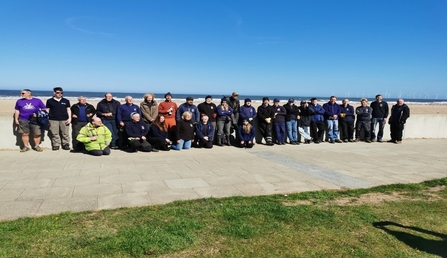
pixel 190 107
pixel 346 120
pixel 149 109
pixel 224 113
pixel 246 134
pixel 208 108
pixel 123 116
pixel 279 122
pixel 168 109
pixel 204 133
pixel 265 117
pixel 137 130
pixel 96 137
pixel 184 132
pixel 106 110
pixel 304 121
pixel 317 121
pixel 363 121
pixel 235 105
pixel 331 113
pixel 247 111
pixel 292 117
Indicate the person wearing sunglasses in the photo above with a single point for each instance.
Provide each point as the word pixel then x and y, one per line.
pixel 60 118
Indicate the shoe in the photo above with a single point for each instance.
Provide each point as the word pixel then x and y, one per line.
pixel 379 140
pixel 345 140
pixel 38 149
pixel 307 142
pixel 270 144
pixel 392 141
pixel 155 150
pixel 317 142
pixel 331 141
pixel 66 147
pixel 292 143
pixel 368 141
pixel 350 140
pixel 55 148
pixel 357 140
pixel 398 142
pixel 338 141
pixel 25 149
pixel 283 143
pixel 373 140
pixel 297 143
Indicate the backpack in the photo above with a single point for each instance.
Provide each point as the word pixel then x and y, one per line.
pixel 43 119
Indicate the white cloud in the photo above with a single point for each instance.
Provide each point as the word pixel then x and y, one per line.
pixel 71 23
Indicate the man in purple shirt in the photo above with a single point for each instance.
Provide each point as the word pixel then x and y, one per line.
pixel 25 109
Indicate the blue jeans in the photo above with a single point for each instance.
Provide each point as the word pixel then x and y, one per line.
pixel 280 129
pixel 381 123
pixel 305 132
pixel 332 128
pixel 291 130
pixel 111 125
pixel 182 145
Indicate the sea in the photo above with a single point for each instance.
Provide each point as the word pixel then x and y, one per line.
pixel 94 96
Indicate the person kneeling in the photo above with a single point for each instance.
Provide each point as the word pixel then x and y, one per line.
pixel 246 134
pixel 96 137
pixel 184 132
pixel 137 131
pixel 204 133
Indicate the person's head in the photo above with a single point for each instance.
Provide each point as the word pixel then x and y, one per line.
pixel 345 102
pixel 168 96
pixel 304 103
pixel 108 96
pixel 265 101
pixel 332 99
pixel 82 100
pixel 189 101
pixel 205 119
pixel 208 99
pixel 364 102
pixel 379 98
pixel 186 115
pixel 159 122
pixel 135 117
pixel 223 101
pixel 235 95
pixel 148 97
pixel 276 102
pixel 245 121
pixel 58 91
pixel 161 118
pixel 314 101
pixel 26 93
pixel 96 121
pixel 247 102
pixel 129 100
pixel 291 101
pixel 400 102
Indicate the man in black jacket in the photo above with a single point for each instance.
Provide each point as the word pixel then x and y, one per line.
pixel 81 114
pixel 265 116
pixel 106 110
pixel 399 115
pixel 379 116
pixel 293 114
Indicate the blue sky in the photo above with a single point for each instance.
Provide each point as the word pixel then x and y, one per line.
pixel 299 48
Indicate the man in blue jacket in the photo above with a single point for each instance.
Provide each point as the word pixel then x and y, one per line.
pixel 317 121
pixel 189 106
pixel 346 121
pixel 331 113
pixel 123 116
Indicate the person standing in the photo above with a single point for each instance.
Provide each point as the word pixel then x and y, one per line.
pixel 292 117
pixel 81 115
pixel 331 113
pixel 123 115
pixel 106 110
pixel 234 104
pixel 149 108
pixel 379 116
pixel 25 110
pixel 224 113
pixel 190 107
pixel 60 118
pixel 304 122
pixel 96 137
pixel 247 111
pixel 265 117
pixel 208 108
pixel 168 109
pixel 400 112
pixel 363 121
pixel 346 121
pixel 317 121
pixel 279 122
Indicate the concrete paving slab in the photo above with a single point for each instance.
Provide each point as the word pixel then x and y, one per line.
pixel 17 209
pixel 53 206
pixel 119 178
pixel 170 195
pixel 218 191
pixel 46 193
pixel 28 183
pixel 76 181
pixel 115 201
pixel 10 194
pixel 97 190
pixel 144 186
pixel 186 183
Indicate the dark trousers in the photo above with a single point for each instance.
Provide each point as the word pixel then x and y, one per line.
pixel 346 129
pixel 366 127
pixel 111 125
pixel 280 130
pixel 201 143
pixel 266 131
pixel 396 131
pixel 317 130
pixel 75 128
pixel 141 145
pixel 247 145
pixel 158 143
pixel 106 151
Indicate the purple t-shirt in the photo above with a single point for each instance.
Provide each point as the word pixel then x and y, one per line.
pixel 27 107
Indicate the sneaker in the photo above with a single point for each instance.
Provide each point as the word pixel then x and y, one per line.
pixel 331 141
pixel 55 148
pixel 345 140
pixel 155 150
pixel 379 140
pixel 38 149
pixel 66 147
pixel 25 149
pixel 368 141
pixel 350 140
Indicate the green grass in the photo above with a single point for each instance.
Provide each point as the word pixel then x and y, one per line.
pixel 264 226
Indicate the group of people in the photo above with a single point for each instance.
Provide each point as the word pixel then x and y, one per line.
pixel 153 126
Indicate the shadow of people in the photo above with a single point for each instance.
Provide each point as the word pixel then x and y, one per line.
pixel 413 237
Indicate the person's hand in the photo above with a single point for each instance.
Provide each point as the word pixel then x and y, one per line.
pixel 16 122
pixel 93 138
pixel 74 116
pixel 250 119
pixel 205 138
pixel 167 140
pixel 89 115
pixel 249 142
pixel 137 138
pixel 122 123
pixel 143 137
pixel 384 120
pixel 335 117
pixel 178 141
pixel 68 121
pixel 242 142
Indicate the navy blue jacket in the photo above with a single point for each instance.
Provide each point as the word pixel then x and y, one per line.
pixel 137 129
pixel 193 109
pixel 246 112
pixel 318 113
pixel 222 115
pixel 157 133
pixel 124 111
pixel 349 113
pixel 380 109
pixel 244 136
pixel 330 110
pixel 363 113
pixel 202 128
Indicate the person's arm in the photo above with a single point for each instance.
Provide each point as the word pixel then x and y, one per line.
pixel 211 134
pixel 199 130
pixel 83 135
pixel 69 116
pixel 16 116
pixel 252 134
pixel 119 117
pixel 282 111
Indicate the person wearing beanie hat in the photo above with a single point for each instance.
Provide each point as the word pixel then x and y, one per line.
pixel 317 121
pixel 189 106
pixel 304 121
pixel 265 116
pixel 279 122
pixel 247 111
pixel 168 109
pixel 224 113
pixel 208 108
pixel 292 116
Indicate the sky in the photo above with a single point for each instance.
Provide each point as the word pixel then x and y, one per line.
pixel 258 47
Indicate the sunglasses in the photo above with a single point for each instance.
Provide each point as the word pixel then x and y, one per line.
pixel 22 93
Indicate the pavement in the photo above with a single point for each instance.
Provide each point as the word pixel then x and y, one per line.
pixel 50 182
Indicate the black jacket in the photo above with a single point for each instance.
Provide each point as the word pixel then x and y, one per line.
pixel 380 110
pixel 399 114
pixel 105 106
pixel 90 109
pixel 293 112
pixel 208 109
pixel 265 112
pixel 306 115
